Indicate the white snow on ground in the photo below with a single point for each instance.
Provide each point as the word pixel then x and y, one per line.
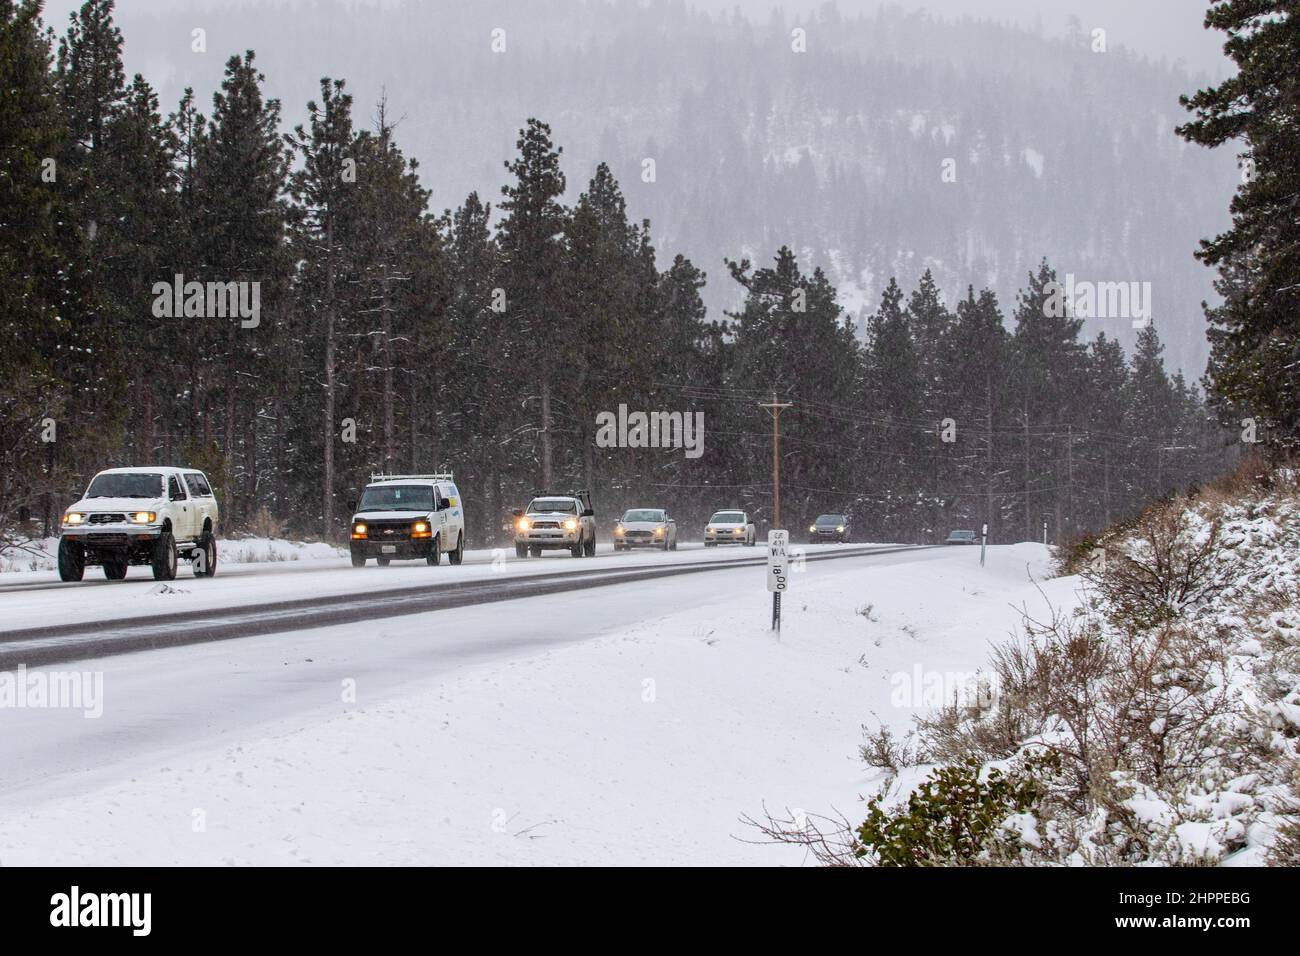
pixel 639 739
pixel 42 555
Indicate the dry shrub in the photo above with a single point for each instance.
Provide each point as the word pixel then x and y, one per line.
pixel 263 524
pixel 1169 559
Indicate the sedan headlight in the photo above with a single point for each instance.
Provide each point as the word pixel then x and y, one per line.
pixel 709 530
pixel 74 517
pixel 142 517
pixel 659 531
pixel 618 529
pixel 812 527
pixel 839 527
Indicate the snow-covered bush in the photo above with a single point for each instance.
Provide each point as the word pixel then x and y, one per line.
pixel 1158 719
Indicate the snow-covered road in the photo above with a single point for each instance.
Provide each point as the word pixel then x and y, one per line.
pixel 633 722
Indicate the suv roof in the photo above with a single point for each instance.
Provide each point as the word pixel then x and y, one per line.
pixel 150 469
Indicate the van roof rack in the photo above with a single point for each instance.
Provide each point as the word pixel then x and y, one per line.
pixel 441 476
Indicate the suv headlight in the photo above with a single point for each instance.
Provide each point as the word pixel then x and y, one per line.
pixel 523 524
pixel 570 524
pixel 74 517
pixel 812 527
pixel 142 517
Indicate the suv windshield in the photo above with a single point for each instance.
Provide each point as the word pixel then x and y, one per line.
pixel 126 485
pixel 644 514
pixel 397 498
pixel 552 504
pixel 831 519
pixel 727 517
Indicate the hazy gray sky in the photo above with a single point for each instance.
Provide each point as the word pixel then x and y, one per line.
pixel 1168 29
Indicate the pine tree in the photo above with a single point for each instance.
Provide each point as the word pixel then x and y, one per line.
pixel 323 187
pixel 241 179
pixel 1256 335
pixel 530 238
pixel 31 206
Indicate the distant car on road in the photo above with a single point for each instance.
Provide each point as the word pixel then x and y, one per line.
pixel 730 527
pixel 963 537
pixel 829 528
pixel 149 515
pixel 645 528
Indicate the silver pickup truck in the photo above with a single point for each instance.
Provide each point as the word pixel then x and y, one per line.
pixel 552 522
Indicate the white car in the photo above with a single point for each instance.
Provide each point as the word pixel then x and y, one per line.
pixel 645 528
pixel 406 517
pixel 730 527
pixel 147 515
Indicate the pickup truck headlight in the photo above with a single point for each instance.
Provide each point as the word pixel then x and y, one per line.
pixel 570 524
pixel 142 517
pixel 74 517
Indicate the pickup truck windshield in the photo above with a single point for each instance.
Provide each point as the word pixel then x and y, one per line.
pixel 397 498
pixel 566 505
pixel 128 485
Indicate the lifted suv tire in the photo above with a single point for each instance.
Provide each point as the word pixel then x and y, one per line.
pixel 72 560
pixel 164 558
pixel 208 549
pixel 590 549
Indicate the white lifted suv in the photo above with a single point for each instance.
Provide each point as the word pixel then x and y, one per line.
pixel 552 522
pixel 407 517
pixel 142 515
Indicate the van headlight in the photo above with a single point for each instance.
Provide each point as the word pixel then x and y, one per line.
pixel 359 530
pixel 74 517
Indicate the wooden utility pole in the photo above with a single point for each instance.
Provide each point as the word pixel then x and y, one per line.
pixel 775 408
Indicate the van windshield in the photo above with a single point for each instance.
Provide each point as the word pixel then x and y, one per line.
pixel 397 498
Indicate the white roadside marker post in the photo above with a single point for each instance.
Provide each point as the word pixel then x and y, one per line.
pixel 984 540
pixel 778 577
